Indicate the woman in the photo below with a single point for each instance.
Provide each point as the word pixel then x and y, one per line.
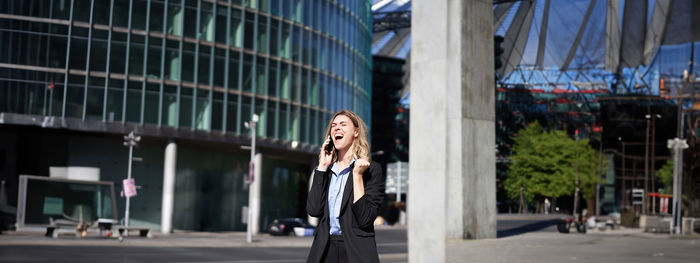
pixel 346 193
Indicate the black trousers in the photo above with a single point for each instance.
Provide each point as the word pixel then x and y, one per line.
pixel 336 251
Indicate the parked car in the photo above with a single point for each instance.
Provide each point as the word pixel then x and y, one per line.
pixel 290 227
pixel 7 217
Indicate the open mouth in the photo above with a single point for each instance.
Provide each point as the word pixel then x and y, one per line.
pixel 338 137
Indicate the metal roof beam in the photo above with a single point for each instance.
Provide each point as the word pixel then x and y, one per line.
pixel 384 21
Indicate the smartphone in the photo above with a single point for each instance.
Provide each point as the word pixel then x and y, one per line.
pixel 329 147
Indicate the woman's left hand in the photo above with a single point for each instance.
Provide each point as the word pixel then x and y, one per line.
pixel 360 166
pixel 357 181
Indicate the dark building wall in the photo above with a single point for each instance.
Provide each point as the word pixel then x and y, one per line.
pixel 389 122
pixel 209 190
pixel 284 190
pixel 8 165
pixel 390 125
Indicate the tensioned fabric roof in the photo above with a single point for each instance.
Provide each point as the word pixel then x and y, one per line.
pixel 608 35
pixel 581 34
pixel 391 43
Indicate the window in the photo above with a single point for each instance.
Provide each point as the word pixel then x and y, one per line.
pixel 153 64
pixel 249 31
pixel 217 110
pixel 156 20
pixel 74 96
pixel 188 65
pixel 232 112
pixel 263 114
pixel 272 84
pixel 175 19
pixel 270 120
pixel 138 17
pixel 121 12
pixel 296 42
pixel 274 40
pixel 275 7
pixel 95 98
pixel 203 69
pixel 133 101
pixel 219 67
pixel 260 80
pixel 115 100
pixel 151 106
pixel 262 36
pixel 185 107
pixel 136 55
pixel 190 26
pixel 169 106
pixel 248 72
pixel 285 80
pixel 285 42
pixel 237 25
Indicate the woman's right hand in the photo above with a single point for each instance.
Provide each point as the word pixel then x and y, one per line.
pixel 325 158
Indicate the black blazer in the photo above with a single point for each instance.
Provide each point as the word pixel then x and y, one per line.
pixel 356 219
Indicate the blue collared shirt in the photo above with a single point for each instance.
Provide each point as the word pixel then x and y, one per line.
pixel 335 195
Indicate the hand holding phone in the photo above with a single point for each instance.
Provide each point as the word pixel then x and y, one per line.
pixel 329 147
pixel 326 154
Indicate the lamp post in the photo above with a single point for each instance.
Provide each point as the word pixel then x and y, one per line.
pixel 576 185
pixel 600 171
pixel 677 145
pixel 645 200
pixel 649 172
pixel 576 192
pixel 130 141
pixel 653 161
pixel 251 176
pixel 624 178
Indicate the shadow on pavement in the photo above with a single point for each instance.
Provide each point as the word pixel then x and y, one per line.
pixel 532 227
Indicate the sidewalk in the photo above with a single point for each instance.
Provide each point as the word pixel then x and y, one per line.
pixel 621 245
pixel 177 239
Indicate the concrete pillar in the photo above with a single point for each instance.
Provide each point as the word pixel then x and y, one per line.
pixel 255 194
pixel 169 165
pixel 452 132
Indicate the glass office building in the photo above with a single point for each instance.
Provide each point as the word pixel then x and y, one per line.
pixel 202 65
pixel 190 70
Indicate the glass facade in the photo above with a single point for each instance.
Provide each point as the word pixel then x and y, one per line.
pixel 199 65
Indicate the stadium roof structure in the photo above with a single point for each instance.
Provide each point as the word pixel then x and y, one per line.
pixel 392 28
pixel 617 45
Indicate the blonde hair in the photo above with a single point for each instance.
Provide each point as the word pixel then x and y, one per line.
pixel 360 144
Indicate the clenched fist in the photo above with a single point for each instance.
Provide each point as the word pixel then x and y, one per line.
pixel 360 167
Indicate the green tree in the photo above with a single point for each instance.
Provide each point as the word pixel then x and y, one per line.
pixel 545 164
pixel 665 175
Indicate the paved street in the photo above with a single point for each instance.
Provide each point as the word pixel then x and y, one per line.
pixel 511 225
pixel 178 247
pixel 530 238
